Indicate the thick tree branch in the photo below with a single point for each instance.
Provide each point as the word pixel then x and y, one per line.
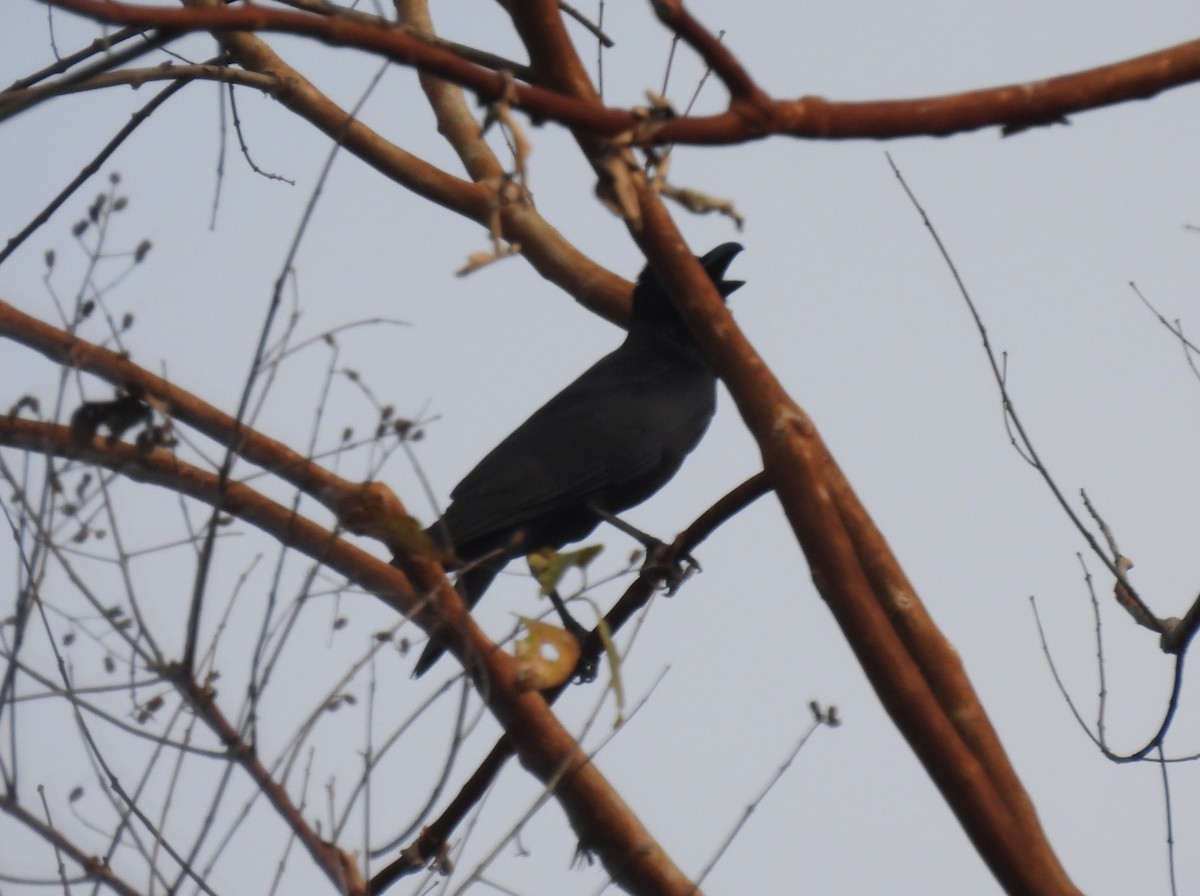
pixel 434 837
pixel 598 814
pixel 600 818
pixel 1013 107
pixel 914 670
pixel 261 450
pixel 551 255
pixel 395 43
pixel 716 55
pixel 456 122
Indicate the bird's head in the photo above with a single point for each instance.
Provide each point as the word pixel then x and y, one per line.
pixel 653 310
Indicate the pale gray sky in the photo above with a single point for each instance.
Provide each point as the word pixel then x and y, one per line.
pixel 846 298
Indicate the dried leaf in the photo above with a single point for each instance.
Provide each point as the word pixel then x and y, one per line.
pixel 536 670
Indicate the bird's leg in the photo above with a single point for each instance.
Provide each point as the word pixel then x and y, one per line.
pixel 649 542
pixel 585 670
pixel 672 575
pixel 569 622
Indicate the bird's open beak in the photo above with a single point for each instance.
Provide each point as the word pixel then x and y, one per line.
pixel 715 262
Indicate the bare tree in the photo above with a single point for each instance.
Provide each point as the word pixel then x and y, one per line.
pixel 196 700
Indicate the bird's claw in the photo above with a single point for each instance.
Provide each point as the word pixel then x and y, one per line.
pixel 668 572
pixel 587 668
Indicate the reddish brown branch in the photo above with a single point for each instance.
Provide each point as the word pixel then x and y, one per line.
pixel 543 744
pixel 268 453
pixel 366 507
pixel 555 63
pixel 914 670
pixel 339 866
pixel 601 819
pixel 543 246
pixel 434 838
pixel 638 594
pixel 455 120
pixel 160 467
pixel 394 43
pixel 598 814
pixel 715 54
pixel 1013 107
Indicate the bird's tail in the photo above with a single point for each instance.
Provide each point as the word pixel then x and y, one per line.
pixel 471 584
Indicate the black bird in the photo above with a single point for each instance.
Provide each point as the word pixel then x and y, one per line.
pixel 608 441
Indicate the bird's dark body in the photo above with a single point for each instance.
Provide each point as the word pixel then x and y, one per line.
pixel 610 439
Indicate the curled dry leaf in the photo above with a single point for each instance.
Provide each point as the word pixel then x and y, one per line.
pixel 536 670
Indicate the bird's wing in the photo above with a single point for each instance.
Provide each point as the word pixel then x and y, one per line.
pixel 605 433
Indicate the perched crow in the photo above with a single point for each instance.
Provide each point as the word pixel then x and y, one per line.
pixel 609 440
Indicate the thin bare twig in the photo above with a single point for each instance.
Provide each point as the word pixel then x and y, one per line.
pixel 593 27
pixel 999 376
pixel 1190 351
pixel 90 168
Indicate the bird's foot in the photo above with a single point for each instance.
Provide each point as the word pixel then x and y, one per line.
pixel 667 571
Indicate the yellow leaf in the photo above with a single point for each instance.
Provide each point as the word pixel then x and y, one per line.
pixel 549 566
pixel 536 670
